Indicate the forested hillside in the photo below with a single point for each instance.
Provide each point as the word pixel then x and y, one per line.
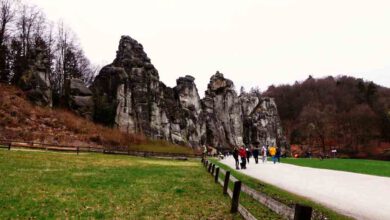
pixel 31 43
pixel 21 120
pixel 343 112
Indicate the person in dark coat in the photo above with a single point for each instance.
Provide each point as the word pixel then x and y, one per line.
pixel 256 151
pixel 248 154
pixel 235 156
pixel 278 154
pixel 243 157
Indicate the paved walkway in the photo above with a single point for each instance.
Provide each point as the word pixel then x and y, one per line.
pixel 357 195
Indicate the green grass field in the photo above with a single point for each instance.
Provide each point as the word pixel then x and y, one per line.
pixel 372 167
pixel 49 185
pixel 52 185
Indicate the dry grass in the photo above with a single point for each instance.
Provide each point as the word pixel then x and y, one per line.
pixel 21 120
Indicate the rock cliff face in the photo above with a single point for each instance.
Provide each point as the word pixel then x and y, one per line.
pixel 129 95
pixel 35 80
pixel 261 121
pixel 222 108
pixel 234 120
pixel 80 98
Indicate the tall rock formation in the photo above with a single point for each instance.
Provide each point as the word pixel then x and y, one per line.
pixel 222 108
pixel 129 95
pixel 261 122
pixel 35 80
pixel 234 120
pixel 192 118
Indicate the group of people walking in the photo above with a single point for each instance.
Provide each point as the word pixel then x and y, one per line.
pixel 245 153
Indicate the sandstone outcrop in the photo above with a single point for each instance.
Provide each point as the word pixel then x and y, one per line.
pixel 261 122
pixel 80 98
pixel 129 95
pixel 222 108
pixel 234 120
pixel 35 80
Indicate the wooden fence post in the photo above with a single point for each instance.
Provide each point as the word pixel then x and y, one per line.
pixel 9 146
pixel 236 196
pixel 207 164
pixel 212 169
pixel 216 174
pixel 78 149
pixel 302 212
pixel 209 168
pixel 226 182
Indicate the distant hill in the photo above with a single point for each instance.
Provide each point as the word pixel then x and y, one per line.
pixel 342 112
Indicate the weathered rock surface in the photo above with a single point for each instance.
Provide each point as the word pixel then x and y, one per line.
pixel 191 111
pixel 222 108
pixel 80 98
pixel 233 120
pixel 261 122
pixel 78 88
pixel 35 80
pixel 129 95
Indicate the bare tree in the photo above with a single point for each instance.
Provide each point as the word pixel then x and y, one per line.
pixel 86 70
pixel 24 33
pixel 63 42
pixel 7 14
pixel 318 122
pixel 28 20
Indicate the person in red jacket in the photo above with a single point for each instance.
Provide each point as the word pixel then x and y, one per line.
pixel 243 157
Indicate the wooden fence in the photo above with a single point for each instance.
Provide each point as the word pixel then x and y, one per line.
pixel 8 144
pixel 299 212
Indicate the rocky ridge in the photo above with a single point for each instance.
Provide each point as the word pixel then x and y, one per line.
pixel 128 95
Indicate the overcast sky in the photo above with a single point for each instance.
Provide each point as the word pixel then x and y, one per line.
pixel 254 43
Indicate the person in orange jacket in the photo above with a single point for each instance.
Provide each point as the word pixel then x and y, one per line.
pixel 272 152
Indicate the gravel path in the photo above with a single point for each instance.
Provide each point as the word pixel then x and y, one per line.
pixel 357 195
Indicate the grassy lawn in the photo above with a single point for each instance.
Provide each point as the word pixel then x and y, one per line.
pixel 373 167
pixel 254 207
pixel 50 185
pixel 320 212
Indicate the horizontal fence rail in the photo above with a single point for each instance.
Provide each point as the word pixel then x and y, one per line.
pixel 299 212
pixel 8 144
